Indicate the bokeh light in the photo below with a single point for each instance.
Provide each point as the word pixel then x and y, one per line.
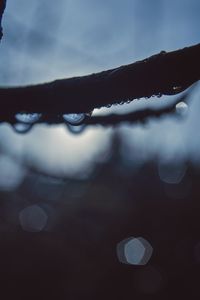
pixel 134 251
pixel 33 218
pixel 171 171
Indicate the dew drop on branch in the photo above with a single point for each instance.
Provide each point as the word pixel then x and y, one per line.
pixel 74 119
pixel 22 127
pixel 28 118
pixel 159 95
pixel 181 108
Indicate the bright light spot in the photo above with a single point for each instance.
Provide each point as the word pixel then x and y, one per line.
pixel 66 154
pixel 11 175
pixel 33 218
pixel 181 108
pixel 171 172
pixel 134 251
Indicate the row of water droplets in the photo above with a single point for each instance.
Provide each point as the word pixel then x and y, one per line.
pixel 74 122
pixel 25 121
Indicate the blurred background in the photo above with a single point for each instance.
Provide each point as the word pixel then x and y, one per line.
pixel 106 212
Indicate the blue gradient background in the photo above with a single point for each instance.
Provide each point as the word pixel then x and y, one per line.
pixel 44 40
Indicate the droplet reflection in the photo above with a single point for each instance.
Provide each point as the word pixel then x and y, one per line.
pixel 22 127
pixel 28 118
pixel 33 218
pixel 76 129
pixel 134 251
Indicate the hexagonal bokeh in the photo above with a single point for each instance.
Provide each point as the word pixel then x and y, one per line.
pixel 134 251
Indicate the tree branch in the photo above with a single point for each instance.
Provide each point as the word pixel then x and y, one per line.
pixel 140 116
pixel 161 74
pixel 2 8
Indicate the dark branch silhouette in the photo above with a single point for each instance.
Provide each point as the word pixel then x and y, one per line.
pixel 138 116
pixel 2 8
pixel 161 74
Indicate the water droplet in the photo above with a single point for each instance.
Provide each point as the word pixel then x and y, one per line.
pixel 22 127
pixel 74 119
pixel 159 95
pixel 163 52
pixel 76 129
pixel 108 105
pixel 28 118
pixel 181 108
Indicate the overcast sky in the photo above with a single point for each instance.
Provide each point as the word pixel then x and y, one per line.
pixel 46 39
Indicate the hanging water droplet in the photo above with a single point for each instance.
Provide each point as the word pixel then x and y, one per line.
pixel 159 95
pixel 182 108
pixel 22 127
pixel 108 105
pixel 76 129
pixel 163 52
pixel 74 119
pixel 28 118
